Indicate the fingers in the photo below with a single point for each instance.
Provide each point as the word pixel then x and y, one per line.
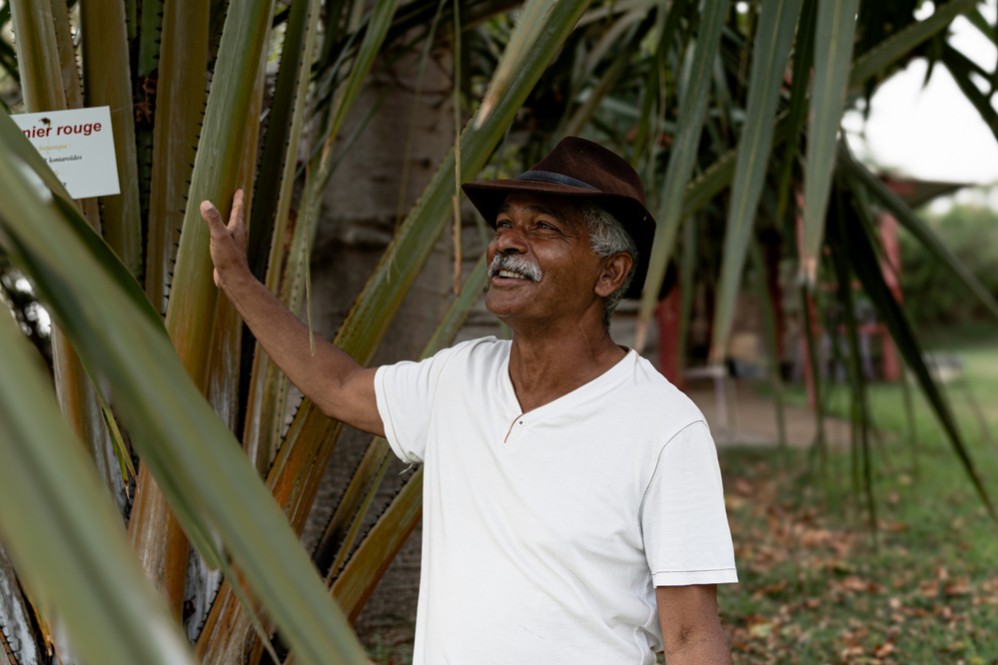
pixel 236 216
pixel 228 241
pixel 211 214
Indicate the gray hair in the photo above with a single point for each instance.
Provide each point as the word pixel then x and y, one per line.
pixel 608 237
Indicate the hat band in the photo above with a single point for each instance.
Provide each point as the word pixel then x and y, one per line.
pixel 556 178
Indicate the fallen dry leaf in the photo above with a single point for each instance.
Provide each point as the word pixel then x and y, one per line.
pixel 884 650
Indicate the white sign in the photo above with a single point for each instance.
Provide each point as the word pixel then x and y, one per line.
pixel 78 146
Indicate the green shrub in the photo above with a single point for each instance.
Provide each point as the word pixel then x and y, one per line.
pixel 933 298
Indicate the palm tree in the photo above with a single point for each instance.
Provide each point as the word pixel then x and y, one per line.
pixel 714 104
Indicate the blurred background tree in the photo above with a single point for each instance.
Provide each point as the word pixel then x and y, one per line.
pixel 971 234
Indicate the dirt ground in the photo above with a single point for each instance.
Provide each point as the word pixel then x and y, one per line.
pixel 738 415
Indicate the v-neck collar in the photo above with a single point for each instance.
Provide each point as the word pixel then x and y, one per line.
pixel 512 402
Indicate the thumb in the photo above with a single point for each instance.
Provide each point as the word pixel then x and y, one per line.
pixel 211 215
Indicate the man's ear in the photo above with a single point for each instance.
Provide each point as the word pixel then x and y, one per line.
pixel 616 268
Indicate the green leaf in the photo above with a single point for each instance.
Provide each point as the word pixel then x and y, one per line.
pixel 603 87
pixel 961 67
pixel 13 144
pixel 108 82
pixel 278 159
pixel 215 492
pixel 809 310
pixel 342 528
pixel 358 578
pixel 530 27
pixel 374 37
pixel 891 202
pixel 51 81
pixel 271 224
pixel 38 55
pixel 771 322
pixel 692 111
pixel 180 98
pixel 901 44
pixel 796 114
pixel 859 407
pixel 866 265
pixel 215 177
pixel 769 63
pixel 339 537
pixel 65 539
pixel 836 25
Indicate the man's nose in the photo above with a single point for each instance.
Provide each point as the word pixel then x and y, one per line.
pixel 509 240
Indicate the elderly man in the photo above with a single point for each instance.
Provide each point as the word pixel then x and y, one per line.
pixel 572 499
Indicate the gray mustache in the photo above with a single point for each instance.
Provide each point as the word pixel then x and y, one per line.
pixel 517 264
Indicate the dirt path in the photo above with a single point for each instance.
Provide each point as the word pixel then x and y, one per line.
pixel 746 418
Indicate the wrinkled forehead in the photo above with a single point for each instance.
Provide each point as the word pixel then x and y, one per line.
pixel 560 207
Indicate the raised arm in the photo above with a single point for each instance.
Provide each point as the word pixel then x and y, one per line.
pixel 335 383
pixel 691 629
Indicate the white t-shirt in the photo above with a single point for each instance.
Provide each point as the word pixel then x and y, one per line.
pixel 545 533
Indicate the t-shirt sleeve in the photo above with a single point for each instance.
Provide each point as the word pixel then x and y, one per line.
pixel 683 520
pixel 405 393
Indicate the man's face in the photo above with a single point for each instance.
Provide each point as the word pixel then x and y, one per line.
pixel 542 267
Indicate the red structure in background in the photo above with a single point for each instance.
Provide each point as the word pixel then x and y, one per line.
pixel 890 368
pixel 915 193
pixel 667 316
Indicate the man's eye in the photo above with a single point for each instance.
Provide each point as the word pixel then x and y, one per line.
pixel 502 223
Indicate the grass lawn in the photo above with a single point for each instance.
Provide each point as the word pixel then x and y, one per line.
pixel 818 585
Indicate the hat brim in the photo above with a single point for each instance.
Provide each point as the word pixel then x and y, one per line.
pixel 488 198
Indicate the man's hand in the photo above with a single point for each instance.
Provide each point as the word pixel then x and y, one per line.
pixel 228 241
pixel 340 387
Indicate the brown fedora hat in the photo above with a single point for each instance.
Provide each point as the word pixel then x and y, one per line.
pixel 580 169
